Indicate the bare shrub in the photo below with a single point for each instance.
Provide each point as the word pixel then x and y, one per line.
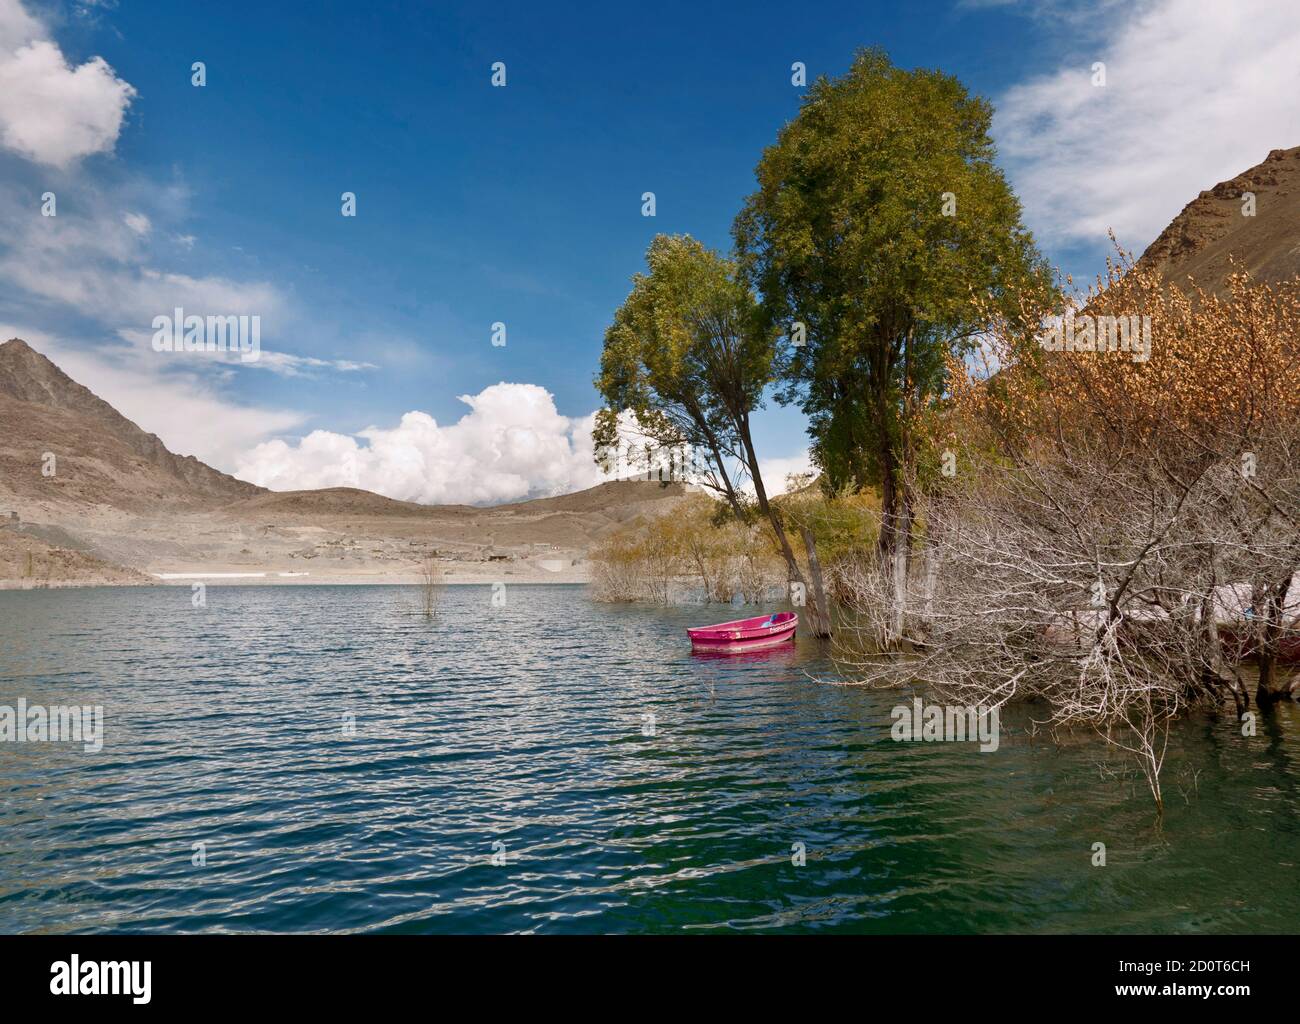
pixel 431 584
pixel 1106 549
pixel 693 548
pixel 616 574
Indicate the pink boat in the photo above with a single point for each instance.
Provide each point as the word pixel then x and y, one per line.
pixel 754 634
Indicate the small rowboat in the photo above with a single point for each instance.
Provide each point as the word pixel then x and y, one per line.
pixel 754 634
pixel 1241 643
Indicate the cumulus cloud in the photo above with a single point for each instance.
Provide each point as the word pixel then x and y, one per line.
pixel 1195 93
pixel 51 112
pixel 17 26
pixel 513 444
pixel 776 472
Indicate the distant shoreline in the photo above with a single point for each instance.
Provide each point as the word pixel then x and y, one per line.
pixel 327 579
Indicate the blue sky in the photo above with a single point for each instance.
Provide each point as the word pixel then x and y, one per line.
pixel 478 204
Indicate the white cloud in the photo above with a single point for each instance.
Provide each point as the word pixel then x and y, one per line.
pixel 103 257
pixel 1195 94
pixel 776 471
pixel 17 26
pixel 282 363
pixel 511 445
pixel 301 366
pixel 98 264
pixel 137 222
pixel 50 112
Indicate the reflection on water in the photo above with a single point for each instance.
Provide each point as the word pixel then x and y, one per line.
pixel 783 654
pixel 340 764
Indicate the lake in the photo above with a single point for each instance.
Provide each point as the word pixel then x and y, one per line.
pixel 310 758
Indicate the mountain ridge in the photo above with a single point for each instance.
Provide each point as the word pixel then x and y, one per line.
pixel 29 378
pixel 116 501
pixel 1211 230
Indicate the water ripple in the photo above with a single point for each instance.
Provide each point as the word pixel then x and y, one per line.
pixel 348 766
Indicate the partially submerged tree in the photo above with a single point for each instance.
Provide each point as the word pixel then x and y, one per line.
pixel 689 356
pixel 1212 404
pixel 1122 528
pixel 431 584
pixel 879 212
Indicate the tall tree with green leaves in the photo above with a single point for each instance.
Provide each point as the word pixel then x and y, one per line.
pixel 689 354
pixel 879 214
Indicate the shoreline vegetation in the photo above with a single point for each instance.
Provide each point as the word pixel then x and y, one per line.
pixel 1105 530
pixel 691 552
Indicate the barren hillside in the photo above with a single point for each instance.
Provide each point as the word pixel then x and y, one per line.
pixel 100 457
pixel 119 503
pixel 1199 242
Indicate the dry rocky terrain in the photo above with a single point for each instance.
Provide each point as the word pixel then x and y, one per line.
pixel 118 508
pixel 1211 230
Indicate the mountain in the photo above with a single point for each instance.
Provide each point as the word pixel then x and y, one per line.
pixel 100 457
pixel 1211 228
pixel 613 502
pixel 119 504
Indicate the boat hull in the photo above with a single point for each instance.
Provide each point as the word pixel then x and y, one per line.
pixel 1242 644
pixel 743 635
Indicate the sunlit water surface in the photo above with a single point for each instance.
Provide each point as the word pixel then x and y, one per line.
pixel 520 730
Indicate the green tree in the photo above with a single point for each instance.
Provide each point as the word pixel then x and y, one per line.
pixel 689 355
pixel 879 214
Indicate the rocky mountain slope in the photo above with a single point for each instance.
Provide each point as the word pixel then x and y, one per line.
pixel 100 457
pixel 29 562
pixel 1212 229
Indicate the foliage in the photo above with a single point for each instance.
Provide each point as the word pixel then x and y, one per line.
pixel 688 356
pixel 685 356
pixel 848 235
pixel 1121 530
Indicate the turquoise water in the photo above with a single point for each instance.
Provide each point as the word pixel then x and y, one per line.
pixel 523 726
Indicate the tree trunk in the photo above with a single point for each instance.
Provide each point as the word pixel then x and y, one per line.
pixel 704 575
pixel 892 545
pixel 931 562
pixel 898 609
pixel 901 561
pixel 818 612
pixel 820 608
pixel 1273 685
pixel 888 501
